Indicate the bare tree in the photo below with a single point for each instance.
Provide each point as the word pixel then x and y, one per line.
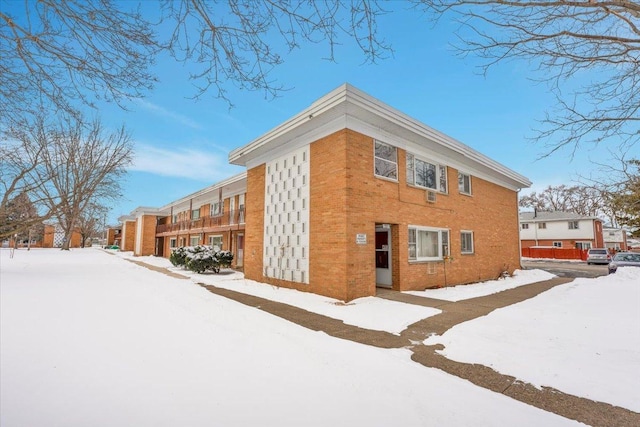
pixel 563 39
pixel 19 219
pixel 91 221
pixel 78 163
pixel 22 173
pixel 228 42
pixel 620 184
pixel 68 54
pixel 626 201
pixel 583 200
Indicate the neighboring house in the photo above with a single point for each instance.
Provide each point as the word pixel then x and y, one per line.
pixel 615 239
pixel 351 194
pixel 52 237
pixel 213 216
pixel 558 229
pixel 114 236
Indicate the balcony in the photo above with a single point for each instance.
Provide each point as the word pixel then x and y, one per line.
pixel 228 219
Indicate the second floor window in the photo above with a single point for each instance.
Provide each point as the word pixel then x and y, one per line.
pixel 464 183
pixel 542 225
pixel 386 161
pixel 195 214
pixel 426 174
pixel 574 225
pixel 216 208
pixel 525 226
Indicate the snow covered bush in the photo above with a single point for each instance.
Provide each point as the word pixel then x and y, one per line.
pixel 224 258
pixel 178 256
pixel 201 258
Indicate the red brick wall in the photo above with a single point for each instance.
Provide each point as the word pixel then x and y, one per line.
pixel 129 230
pixel 148 246
pixel 347 199
pixel 254 224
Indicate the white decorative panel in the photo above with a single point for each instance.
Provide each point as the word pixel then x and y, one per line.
pixel 58 237
pixel 286 217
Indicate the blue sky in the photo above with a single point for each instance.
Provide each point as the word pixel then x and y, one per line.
pixel 182 144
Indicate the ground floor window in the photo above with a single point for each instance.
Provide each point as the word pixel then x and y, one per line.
pixel 215 242
pixel 466 242
pixel 173 243
pixel 557 244
pixel 583 245
pixel 194 240
pixel 427 243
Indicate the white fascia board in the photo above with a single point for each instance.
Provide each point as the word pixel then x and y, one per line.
pixel 314 134
pixel 355 106
pixel 327 102
pixel 550 220
pixel 206 192
pixel 419 146
pixel 144 210
pixel 388 113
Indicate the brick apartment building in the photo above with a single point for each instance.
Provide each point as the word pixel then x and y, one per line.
pixel 351 194
pixel 348 195
pixel 212 216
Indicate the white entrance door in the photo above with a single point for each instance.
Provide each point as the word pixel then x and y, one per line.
pixel 383 257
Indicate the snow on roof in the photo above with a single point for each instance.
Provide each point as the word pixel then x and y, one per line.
pixel 553 216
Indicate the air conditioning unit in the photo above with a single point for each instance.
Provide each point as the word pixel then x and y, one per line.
pixel 431 196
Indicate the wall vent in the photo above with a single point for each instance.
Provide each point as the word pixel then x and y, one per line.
pixel 431 196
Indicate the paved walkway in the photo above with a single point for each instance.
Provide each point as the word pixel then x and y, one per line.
pixel 569 406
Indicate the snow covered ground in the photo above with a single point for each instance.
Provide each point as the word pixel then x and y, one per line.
pixel 89 339
pixel 582 338
pixel 462 292
pixel 369 313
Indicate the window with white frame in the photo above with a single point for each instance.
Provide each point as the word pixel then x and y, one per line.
pixel 464 183
pixel 174 219
pixel 195 214
pixel 215 242
pixel 385 160
pixel 422 173
pixel 525 226
pixel 557 244
pixel 574 225
pixel 466 242
pixel 172 243
pixel 194 240
pixel 216 208
pixel 427 243
pixel 542 225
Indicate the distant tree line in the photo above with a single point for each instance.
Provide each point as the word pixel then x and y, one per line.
pixel 615 199
pixel 67 171
pixel 58 59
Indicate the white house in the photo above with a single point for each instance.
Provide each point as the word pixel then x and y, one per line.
pixel 560 229
pixel 615 238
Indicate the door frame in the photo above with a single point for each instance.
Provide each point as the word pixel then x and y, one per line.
pixel 384 276
pixel 239 249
